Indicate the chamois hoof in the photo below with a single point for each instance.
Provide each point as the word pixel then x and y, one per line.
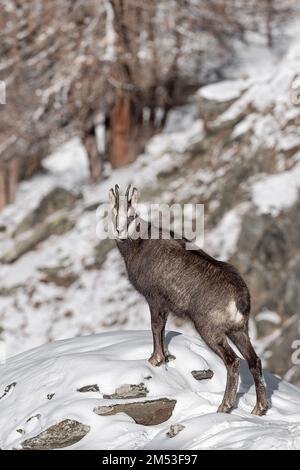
pixel 224 408
pixel 156 360
pixel 169 357
pixel 260 410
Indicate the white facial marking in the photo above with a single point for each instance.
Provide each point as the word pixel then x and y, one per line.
pixel 122 214
pixel 122 222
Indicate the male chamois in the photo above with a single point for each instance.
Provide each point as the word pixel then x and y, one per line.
pixel 190 284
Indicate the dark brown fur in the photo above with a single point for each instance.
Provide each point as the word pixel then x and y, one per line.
pixel 192 284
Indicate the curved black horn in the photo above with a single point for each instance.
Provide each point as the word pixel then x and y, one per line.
pixel 127 191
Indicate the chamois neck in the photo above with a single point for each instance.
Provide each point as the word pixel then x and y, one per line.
pixel 135 239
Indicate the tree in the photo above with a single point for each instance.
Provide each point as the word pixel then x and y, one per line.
pixel 71 66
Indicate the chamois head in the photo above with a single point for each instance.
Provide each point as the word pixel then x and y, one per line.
pixel 123 208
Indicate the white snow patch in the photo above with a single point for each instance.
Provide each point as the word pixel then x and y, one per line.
pixel 177 141
pixel 117 358
pixel 69 158
pixel 273 193
pixel 244 126
pixel 268 315
pixel 253 58
pixel 35 312
pixel 226 90
pixel 222 240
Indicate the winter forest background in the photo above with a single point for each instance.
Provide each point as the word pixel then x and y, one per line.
pixel 192 101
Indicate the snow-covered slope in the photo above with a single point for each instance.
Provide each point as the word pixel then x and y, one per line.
pixel 39 388
pixel 246 172
pixel 34 312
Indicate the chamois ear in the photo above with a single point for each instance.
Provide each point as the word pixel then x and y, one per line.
pixel 134 198
pixel 112 198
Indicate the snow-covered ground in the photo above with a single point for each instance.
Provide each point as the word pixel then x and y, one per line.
pixel 46 382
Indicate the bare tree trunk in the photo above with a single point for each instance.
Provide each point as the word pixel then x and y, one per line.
pixel 9 176
pixel 2 187
pixel 121 131
pixel 269 21
pixel 12 179
pixel 94 156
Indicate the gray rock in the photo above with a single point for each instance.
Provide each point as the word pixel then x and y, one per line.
pixel 265 328
pixel 266 255
pixel 89 388
pixel 37 416
pixel 58 436
pixel 210 109
pixel 56 225
pixel 102 250
pixel 55 200
pixel 128 391
pixel 279 354
pixel 59 276
pixel 202 374
pixel 292 291
pixel 8 291
pixel 147 413
pixel 7 389
pixel 175 429
pixel 91 207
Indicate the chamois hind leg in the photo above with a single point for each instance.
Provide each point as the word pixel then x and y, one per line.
pixel 167 354
pixel 242 341
pixel 158 323
pixel 220 346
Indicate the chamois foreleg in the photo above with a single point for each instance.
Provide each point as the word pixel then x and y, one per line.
pixel 167 354
pixel 158 324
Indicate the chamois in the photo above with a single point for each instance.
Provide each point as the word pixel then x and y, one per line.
pixel 192 284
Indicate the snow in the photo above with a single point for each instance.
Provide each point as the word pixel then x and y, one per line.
pixel 273 193
pixel 103 299
pixel 37 313
pixel 2 92
pixel 116 358
pixel 178 141
pixel 222 240
pixel 70 158
pixel 244 126
pixel 271 88
pixel 226 90
pixel 110 53
pixel 253 58
pixel 268 315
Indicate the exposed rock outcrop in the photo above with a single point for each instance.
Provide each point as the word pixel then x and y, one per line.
pixel 58 436
pixel 147 413
pixel 283 353
pixel 128 391
pixel 202 374
pixel 55 225
pixel 175 429
pixel 57 199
